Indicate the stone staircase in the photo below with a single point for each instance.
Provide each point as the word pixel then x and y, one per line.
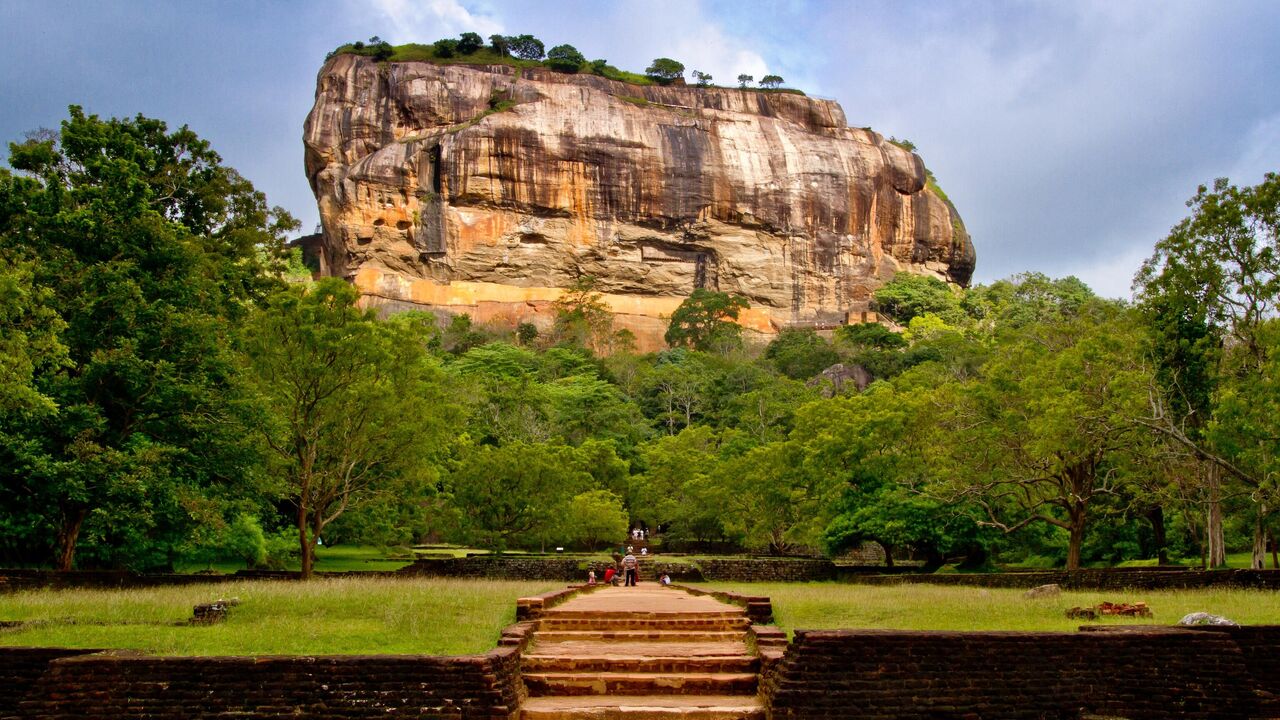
pixel 647 652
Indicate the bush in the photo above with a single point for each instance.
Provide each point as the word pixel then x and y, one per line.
pixel 246 541
pixel 445 48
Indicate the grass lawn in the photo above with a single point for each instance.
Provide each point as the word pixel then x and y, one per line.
pixel 822 606
pixel 335 616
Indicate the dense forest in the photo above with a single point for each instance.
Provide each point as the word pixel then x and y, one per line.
pixel 174 387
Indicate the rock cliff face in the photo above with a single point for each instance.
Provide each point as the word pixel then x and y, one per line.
pixel 484 189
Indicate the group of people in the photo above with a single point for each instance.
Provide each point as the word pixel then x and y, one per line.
pixel 630 568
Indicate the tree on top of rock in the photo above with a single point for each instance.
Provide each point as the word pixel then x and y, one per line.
pixel 745 79
pixel 565 58
pixel 526 47
pixel 664 71
pixel 771 81
pixel 469 42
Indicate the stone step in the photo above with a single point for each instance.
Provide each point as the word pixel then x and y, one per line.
pixel 557 622
pixel 554 636
pixel 668 707
pixel 538 663
pixel 640 683
pixel 624 614
pixel 613 648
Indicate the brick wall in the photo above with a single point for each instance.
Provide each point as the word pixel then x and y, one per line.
pixel 767 569
pixel 1260 645
pixel 20 667
pixel 479 687
pixel 1138 675
pixel 1108 579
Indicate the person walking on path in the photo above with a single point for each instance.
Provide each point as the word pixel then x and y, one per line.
pixel 629 564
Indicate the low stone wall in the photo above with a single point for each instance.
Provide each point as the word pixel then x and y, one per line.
pixel 766 569
pixel 1108 579
pixel 570 569
pixel 759 607
pixel 1138 675
pixel 20 667
pixel 480 687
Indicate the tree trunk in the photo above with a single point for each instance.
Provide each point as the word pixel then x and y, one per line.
pixel 1275 552
pixel 1156 517
pixel 1259 559
pixel 1213 524
pixel 1077 515
pixel 888 553
pixel 68 534
pixel 303 542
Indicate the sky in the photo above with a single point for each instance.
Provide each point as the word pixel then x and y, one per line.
pixel 1069 134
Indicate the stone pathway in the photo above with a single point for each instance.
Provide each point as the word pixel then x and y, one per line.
pixel 647 652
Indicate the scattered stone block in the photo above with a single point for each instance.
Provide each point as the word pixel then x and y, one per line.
pixel 1043 591
pixel 214 612
pixel 1204 618
pixel 1137 609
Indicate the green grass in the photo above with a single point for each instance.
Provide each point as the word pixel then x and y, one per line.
pixel 821 606
pixel 334 616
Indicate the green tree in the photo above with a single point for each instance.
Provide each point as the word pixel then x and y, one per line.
pixel 581 316
pixel 745 80
pixel 30 341
pixel 381 49
pixel 445 48
pixel 1035 439
pixel 355 406
pixel 909 295
pixel 515 495
pixel 469 43
pixel 150 251
pixel 800 354
pixel 664 71
pixel 595 518
pixel 1208 290
pixel 771 81
pixel 500 44
pixel 526 47
pixel 704 79
pixel 565 58
pixel 706 320
pixel 769 500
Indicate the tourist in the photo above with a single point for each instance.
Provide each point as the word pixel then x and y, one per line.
pixel 666 579
pixel 629 564
pixel 644 551
pixel 609 578
pixel 591 577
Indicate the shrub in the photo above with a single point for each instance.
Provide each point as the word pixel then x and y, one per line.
pixel 445 48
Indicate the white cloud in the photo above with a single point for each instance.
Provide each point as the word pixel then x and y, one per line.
pixel 427 20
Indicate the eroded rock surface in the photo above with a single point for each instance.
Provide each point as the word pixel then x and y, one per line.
pixel 484 189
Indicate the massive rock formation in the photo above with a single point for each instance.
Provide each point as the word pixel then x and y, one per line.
pixel 484 189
